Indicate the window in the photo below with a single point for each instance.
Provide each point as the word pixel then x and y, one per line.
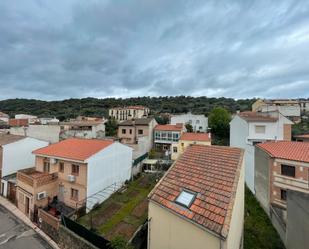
pixel 140 132
pixel 123 131
pixel 287 170
pixel 74 194
pixel 75 169
pixel 130 131
pixel 186 198
pixel 61 167
pixel 283 194
pixel 197 121
pixel 260 129
pixel 46 167
pixel 175 149
pixel 182 144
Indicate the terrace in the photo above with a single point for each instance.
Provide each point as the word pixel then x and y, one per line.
pixel 34 178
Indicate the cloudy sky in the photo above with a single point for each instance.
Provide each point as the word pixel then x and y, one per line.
pixel 122 48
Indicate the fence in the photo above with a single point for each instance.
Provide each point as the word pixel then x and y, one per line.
pixel 86 234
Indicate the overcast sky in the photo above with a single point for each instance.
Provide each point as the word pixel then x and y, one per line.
pixel 110 48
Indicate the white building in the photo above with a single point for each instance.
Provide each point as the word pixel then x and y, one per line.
pixel 250 128
pixel 15 154
pixel 128 112
pixel 4 117
pixel 31 119
pixel 198 122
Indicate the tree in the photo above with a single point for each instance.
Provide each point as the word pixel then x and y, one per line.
pixel 219 119
pixel 189 127
pixel 111 127
pixel 119 243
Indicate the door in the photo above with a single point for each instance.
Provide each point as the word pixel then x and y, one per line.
pixel 27 206
pixel 11 192
pixel 61 193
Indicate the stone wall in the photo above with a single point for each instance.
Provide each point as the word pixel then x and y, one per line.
pixel 68 240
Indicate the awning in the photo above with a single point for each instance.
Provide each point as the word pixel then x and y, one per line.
pixel 150 161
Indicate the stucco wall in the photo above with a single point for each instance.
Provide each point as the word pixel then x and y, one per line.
pixel 169 231
pixel 262 178
pixel 109 166
pixel 185 118
pixel 235 235
pixel 182 145
pixel 18 155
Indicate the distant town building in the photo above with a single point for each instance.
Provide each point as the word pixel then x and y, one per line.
pixel 48 121
pixel 282 167
pixel 53 133
pixel 167 136
pixel 199 203
pixel 128 112
pixel 302 138
pixel 250 128
pixel 13 122
pixel 287 107
pixel 31 118
pixel 4 117
pixel 15 154
pixel 138 134
pixel 69 174
pixel 199 123
pixel 187 139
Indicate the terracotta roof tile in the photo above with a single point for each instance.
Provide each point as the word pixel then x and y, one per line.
pixel 74 148
pixel 210 171
pixel 295 151
pixel 257 117
pixel 169 127
pixel 188 136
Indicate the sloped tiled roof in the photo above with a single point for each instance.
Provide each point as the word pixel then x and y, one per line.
pixel 138 121
pixel 189 136
pixel 9 138
pixel 295 151
pixel 74 148
pixel 257 117
pixel 213 173
pixel 169 127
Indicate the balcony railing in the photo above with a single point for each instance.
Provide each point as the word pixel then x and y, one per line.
pixel 35 178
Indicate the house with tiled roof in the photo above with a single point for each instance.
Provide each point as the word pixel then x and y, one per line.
pixel 250 128
pixel 165 136
pixel 187 139
pixel 4 117
pixel 128 112
pixel 15 154
pixel 199 203
pixel 71 172
pixel 281 167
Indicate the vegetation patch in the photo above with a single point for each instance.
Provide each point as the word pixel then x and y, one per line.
pixel 123 212
pixel 259 232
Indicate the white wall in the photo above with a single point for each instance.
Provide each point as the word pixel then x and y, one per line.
pixel 184 119
pixel 109 166
pixel 285 110
pixel 18 155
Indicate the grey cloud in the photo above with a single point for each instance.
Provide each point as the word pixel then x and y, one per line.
pixel 61 49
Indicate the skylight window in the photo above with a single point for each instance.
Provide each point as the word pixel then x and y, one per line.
pixel 186 198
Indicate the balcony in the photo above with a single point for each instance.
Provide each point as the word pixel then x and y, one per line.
pixel 34 178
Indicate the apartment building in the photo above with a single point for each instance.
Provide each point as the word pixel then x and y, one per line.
pixel 199 123
pixel 15 154
pixel 31 118
pixel 166 136
pixel 289 108
pixel 128 112
pixel 199 203
pixel 282 167
pixel 71 172
pixel 138 134
pixel 187 139
pixel 250 128
pixel 82 129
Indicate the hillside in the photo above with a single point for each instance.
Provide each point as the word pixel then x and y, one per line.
pixel 70 108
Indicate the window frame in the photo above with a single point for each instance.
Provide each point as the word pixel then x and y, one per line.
pixel 73 172
pixel 46 164
pixel 283 194
pixel 194 194
pixel 76 191
pixel 123 131
pixel 285 170
pixel 61 167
